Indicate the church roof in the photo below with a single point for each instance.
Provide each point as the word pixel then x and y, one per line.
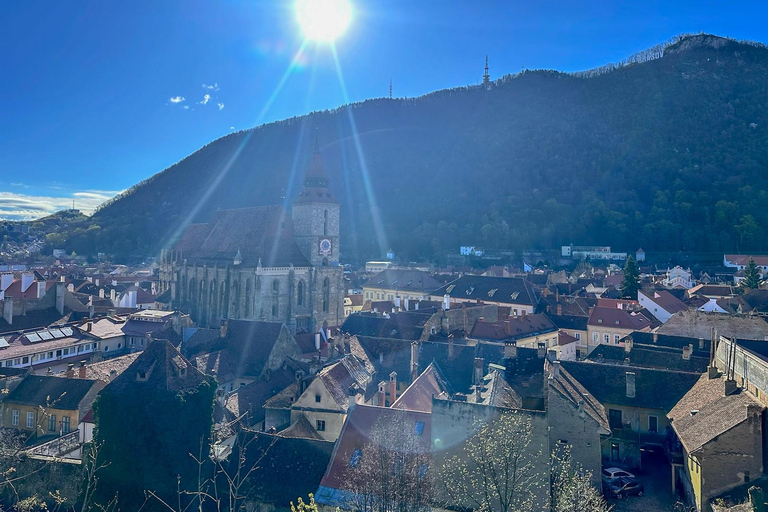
pixel 260 233
pixel 316 182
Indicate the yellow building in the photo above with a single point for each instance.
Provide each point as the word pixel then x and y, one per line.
pixel 607 326
pixel 397 285
pixel 43 405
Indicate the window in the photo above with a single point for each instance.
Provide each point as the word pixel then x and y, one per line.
pixel 65 425
pixel 317 398
pixel 653 424
pixel 606 338
pixel 106 348
pixel 66 351
pixel 325 222
pixel 577 335
pixel 8 363
pixel 30 419
pixel 119 345
pixel 320 424
pixel 595 337
pixel 354 460
pixel 300 294
pixel 616 339
pixel 15 418
pixel 276 286
pixel 614 418
pixel 419 428
pixel 25 360
pixel 52 423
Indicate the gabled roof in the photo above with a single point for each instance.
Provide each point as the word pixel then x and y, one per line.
pixel 494 391
pixel 572 390
pixel 650 356
pixel 418 396
pixel 654 388
pixel 338 377
pixel 416 281
pixel 715 413
pixel 356 434
pixel 515 328
pixel 573 323
pixel 160 366
pixel 260 233
pixel 51 392
pixel 301 429
pixel 666 301
pixel 617 319
pixel 506 290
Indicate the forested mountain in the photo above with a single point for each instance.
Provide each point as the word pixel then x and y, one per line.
pixel 668 154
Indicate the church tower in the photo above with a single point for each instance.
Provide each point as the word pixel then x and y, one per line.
pixel 316 215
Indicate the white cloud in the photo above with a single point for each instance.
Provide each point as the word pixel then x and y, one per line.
pixel 214 87
pixel 221 105
pixel 206 99
pixel 29 207
pixel 178 99
pixel 231 127
pixel 186 107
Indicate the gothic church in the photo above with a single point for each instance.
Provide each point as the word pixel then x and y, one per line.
pixel 262 263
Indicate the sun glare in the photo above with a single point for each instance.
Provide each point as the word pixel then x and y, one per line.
pixel 323 20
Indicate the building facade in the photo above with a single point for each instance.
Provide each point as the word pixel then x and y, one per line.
pixel 263 263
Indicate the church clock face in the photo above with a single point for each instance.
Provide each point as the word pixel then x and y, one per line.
pixel 325 246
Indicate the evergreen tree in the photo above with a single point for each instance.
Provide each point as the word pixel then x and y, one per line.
pixel 751 276
pixel 631 283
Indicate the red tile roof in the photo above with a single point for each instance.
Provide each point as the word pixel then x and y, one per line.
pixel 617 319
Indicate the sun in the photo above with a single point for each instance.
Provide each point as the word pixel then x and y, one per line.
pixel 323 20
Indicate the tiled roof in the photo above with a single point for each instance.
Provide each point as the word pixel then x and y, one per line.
pixel 666 301
pixel 341 375
pixel 573 323
pixel 49 391
pixel 405 280
pixel 506 290
pixel 515 328
pixel 162 367
pixel 356 435
pixel 495 391
pixel 716 413
pixel 300 428
pixel 388 355
pixel 654 388
pixel 572 390
pixel 252 397
pixel 563 338
pixel 617 319
pixel 36 319
pixel 103 370
pixel 650 356
pixel 261 233
pixel 418 396
pixel 697 324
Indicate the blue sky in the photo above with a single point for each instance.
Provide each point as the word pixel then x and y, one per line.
pixel 86 86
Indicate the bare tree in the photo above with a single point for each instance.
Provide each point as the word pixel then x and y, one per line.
pixel 390 473
pixel 497 468
pixel 572 487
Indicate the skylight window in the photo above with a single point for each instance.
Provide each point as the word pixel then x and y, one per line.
pixel 514 295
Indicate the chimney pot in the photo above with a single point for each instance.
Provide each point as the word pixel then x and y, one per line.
pixel 556 368
pixel 81 370
pixel 70 371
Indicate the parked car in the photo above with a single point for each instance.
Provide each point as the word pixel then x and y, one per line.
pixel 610 475
pixel 626 487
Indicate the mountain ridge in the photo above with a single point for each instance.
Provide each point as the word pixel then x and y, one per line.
pixel 468 145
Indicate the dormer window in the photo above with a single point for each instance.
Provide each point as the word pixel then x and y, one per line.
pixel 142 376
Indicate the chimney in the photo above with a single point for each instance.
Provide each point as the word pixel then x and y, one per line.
pixel 446 302
pixel 687 352
pixel 223 328
pixel 317 341
pixel 414 361
pixel 655 337
pixel 556 369
pixel 478 393
pixel 81 370
pixel 382 394
pixel 112 375
pixel 478 376
pixel 60 291
pixel 392 387
pixel 101 293
pixel 729 387
pixel 559 310
pixel 88 326
pixel 630 384
pixel 510 350
pixel 112 294
pixel 629 344
pixel 450 346
pixel 701 343
pixel 49 372
pixel 406 304
pixel 352 397
pixel 70 371
pixel 397 301
pixel 8 310
pixel 541 350
pixel 507 327
pixel 522 312
pixel 97 284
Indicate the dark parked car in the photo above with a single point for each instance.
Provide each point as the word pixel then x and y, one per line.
pixel 626 487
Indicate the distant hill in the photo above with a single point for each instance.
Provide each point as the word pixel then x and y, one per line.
pixel 668 154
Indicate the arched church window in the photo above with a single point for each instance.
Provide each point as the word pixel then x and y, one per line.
pixel 300 294
pixel 247 298
pixel 223 301
pixel 212 298
pixel 325 222
pixel 326 294
pixel 274 310
pixel 276 286
pixel 192 288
